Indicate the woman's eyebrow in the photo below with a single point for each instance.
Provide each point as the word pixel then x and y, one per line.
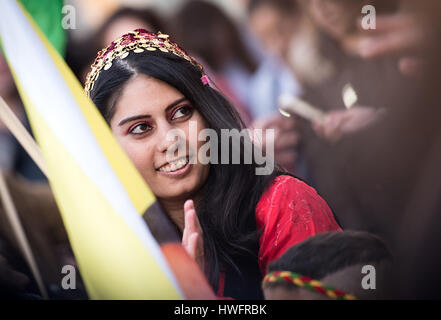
pixel 142 116
pixel 171 105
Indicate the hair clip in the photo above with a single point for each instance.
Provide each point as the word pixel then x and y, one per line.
pixel 205 80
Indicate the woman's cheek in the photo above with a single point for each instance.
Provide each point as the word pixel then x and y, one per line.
pixel 137 151
pixel 140 157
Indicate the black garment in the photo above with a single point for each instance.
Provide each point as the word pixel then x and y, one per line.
pixel 344 173
pixel 24 165
pixel 245 285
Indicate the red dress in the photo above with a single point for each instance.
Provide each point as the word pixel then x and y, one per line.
pixel 288 212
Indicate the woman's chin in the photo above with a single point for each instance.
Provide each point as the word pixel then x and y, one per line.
pixel 180 184
pixel 181 189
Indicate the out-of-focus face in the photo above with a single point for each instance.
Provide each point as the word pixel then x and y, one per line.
pixel 335 17
pixel 273 28
pixel 146 111
pixel 122 26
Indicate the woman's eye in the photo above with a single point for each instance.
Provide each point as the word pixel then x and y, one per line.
pixel 182 112
pixel 140 128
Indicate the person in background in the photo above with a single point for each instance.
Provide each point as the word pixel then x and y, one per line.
pixel 13 158
pixel 272 29
pixel 405 34
pixel 80 54
pixel 387 179
pixel 330 266
pixel 408 148
pixel 47 238
pixel 126 19
pixel 333 144
pixel 338 22
pixel 273 24
pixel 206 31
pixel 210 34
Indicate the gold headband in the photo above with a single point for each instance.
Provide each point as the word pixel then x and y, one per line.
pixel 138 41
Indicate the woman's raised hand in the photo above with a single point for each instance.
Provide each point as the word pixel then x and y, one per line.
pixel 192 239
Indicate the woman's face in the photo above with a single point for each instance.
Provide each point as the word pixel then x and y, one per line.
pixel 145 112
pixel 274 28
pixel 336 17
pixel 122 26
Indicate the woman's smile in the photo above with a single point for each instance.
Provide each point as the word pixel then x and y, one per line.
pixel 176 168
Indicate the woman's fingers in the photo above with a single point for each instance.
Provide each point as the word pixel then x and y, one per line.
pixel 197 225
pixel 192 225
pixel 185 236
pixel 190 215
pixel 193 244
pixel 188 205
pixel 192 234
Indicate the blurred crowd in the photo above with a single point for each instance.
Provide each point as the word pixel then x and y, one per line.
pixel 374 159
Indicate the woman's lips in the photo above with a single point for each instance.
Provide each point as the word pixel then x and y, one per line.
pixel 176 168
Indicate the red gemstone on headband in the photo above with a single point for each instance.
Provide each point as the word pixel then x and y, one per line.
pixel 109 49
pixel 141 31
pixel 127 39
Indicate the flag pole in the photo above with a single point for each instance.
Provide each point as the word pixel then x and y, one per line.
pixel 25 139
pixel 22 135
pixel 23 242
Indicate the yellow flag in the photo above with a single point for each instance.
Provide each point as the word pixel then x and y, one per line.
pixel 101 196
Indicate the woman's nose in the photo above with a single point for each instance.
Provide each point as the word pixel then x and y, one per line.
pixel 169 139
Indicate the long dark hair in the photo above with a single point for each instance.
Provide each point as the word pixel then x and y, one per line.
pixel 231 192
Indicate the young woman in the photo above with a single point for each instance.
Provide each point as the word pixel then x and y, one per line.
pixel 145 85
